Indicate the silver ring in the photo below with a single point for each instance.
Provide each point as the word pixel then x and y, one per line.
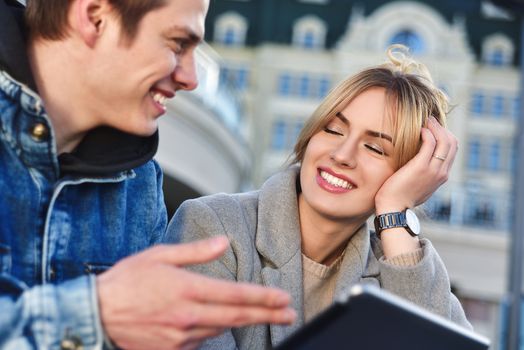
pixel 439 157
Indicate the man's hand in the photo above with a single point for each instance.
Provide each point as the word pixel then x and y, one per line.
pixel 148 301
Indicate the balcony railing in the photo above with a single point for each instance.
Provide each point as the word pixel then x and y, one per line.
pixel 481 208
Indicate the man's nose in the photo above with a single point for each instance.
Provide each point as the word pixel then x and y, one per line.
pixel 185 75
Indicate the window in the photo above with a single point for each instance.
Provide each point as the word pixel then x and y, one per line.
pixel 284 85
pixel 238 77
pixel 242 78
pixel 483 214
pixel 474 155
pixel 230 38
pixel 497 50
pixel 278 142
pixel 477 103
pixel 516 108
pixel 230 29
pixel 495 57
pixel 494 156
pixel 304 86
pixel 513 157
pixel 308 40
pixel 323 88
pixel 410 39
pixel 285 133
pixel 309 32
pixel 298 128
pixel 497 106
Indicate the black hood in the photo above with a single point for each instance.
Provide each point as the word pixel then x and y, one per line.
pixel 103 150
pixel 13 56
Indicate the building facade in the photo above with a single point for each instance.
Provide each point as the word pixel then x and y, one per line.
pixel 283 56
pixel 201 149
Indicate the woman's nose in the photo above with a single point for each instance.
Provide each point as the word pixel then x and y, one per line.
pixel 345 154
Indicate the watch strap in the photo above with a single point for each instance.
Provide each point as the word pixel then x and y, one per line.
pixel 390 220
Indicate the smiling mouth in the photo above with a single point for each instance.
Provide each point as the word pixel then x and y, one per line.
pixel 335 181
pixel 159 98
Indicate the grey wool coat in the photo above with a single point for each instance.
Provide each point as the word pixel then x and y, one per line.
pixel 263 228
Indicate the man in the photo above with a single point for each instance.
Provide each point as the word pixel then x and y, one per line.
pixel 80 94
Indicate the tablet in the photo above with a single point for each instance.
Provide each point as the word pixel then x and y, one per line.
pixel 370 318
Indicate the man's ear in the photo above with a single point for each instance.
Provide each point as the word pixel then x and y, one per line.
pixel 89 19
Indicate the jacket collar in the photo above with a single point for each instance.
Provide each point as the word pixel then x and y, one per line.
pixel 104 150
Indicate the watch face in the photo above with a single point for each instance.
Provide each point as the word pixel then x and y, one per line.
pixel 412 221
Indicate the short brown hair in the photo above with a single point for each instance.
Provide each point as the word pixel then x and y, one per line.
pixel 410 92
pixel 47 19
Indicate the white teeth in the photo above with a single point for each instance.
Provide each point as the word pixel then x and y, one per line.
pixel 335 181
pixel 159 98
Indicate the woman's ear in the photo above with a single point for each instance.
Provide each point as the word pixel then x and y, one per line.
pixel 88 19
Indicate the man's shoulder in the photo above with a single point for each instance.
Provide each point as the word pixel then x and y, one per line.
pixel 149 168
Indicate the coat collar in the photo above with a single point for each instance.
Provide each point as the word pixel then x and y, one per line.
pixel 278 238
pixel 278 241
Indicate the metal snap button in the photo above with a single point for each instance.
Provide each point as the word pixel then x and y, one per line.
pixel 52 274
pixel 71 343
pixel 39 132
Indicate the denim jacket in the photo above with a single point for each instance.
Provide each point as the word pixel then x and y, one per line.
pixel 58 231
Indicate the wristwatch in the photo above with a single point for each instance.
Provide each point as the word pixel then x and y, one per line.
pixel 406 219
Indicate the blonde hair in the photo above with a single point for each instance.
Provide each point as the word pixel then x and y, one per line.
pixel 410 92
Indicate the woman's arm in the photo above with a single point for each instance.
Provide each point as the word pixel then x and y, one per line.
pixel 425 284
pixel 426 281
pixel 414 183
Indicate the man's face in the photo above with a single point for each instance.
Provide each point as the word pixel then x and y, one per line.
pixel 129 82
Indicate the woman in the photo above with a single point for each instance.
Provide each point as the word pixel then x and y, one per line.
pixel 375 145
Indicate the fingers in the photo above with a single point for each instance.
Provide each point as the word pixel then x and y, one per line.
pixel 233 293
pixel 445 144
pixel 428 145
pixel 198 252
pixel 219 316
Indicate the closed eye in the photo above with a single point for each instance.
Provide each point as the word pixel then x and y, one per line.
pixel 333 132
pixel 375 149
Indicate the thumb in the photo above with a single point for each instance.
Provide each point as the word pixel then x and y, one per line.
pixel 197 252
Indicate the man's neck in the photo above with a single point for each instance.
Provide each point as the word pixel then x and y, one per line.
pixel 53 64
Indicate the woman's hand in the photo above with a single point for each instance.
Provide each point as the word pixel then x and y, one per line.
pixel 414 183
pixel 418 179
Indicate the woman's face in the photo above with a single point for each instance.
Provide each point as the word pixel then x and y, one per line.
pixel 346 163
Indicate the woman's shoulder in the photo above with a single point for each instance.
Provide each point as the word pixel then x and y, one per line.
pixel 224 202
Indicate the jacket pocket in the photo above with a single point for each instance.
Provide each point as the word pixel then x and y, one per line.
pixel 96 268
pixel 5 259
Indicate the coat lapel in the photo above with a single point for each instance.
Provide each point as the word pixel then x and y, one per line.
pixel 359 264
pixel 278 242
pixel 286 278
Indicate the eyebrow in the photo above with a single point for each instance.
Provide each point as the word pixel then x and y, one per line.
pixel 371 133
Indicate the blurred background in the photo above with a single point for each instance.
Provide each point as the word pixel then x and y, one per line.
pixel 267 64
